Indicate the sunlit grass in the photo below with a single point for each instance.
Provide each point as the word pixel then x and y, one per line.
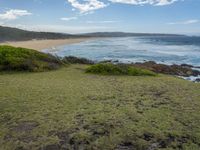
pixel 69 108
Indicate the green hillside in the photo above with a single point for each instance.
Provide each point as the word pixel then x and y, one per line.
pixel 22 59
pixel 14 34
pixel 68 109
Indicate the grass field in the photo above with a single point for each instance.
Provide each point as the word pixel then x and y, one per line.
pixel 69 109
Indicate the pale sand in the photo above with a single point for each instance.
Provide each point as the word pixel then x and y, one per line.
pixel 45 44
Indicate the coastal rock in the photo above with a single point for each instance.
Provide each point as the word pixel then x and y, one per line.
pixel 116 61
pixel 179 70
pixel 77 60
pixel 106 61
pixel 186 65
pixel 197 80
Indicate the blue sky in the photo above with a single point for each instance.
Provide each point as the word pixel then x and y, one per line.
pixel 79 16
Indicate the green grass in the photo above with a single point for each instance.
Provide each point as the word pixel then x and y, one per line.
pixel 120 69
pixel 71 109
pixel 22 59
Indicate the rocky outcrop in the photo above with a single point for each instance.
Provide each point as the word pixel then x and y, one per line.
pixel 197 80
pixel 179 70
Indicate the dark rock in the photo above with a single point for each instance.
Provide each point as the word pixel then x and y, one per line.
pixel 186 65
pixel 197 80
pixel 125 146
pixel 147 136
pixel 147 63
pixel 116 61
pixel 76 60
pixel 177 70
pixel 106 61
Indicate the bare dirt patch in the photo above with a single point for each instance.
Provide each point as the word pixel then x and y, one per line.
pixel 25 126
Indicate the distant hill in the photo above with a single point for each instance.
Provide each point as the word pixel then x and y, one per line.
pixel 124 34
pixel 15 34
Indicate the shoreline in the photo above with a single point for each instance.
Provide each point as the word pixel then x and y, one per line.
pixel 184 71
pixel 40 45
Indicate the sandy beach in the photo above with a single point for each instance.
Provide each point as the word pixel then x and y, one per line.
pixel 44 44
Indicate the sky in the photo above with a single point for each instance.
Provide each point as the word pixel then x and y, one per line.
pixel 81 16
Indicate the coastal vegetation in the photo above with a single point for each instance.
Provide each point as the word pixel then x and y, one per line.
pixel 90 106
pixel 70 109
pixel 15 34
pixel 22 59
pixel 118 69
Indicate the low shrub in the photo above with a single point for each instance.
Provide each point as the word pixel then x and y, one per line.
pixel 76 60
pixel 119 69
pixel 22 59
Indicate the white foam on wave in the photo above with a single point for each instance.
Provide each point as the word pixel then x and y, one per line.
pixel 132 49
pixel 191 78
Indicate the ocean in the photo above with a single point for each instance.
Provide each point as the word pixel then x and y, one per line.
pixel 161 49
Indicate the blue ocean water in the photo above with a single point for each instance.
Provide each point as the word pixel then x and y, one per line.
pixel 162 49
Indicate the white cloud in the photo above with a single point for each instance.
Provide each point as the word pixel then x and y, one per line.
pixel 87 5
pixel 165 2
pixel 192 21
pixel 68 19
pixel 91 5
pixel 143 2
pixel 101 22
pixel 13 14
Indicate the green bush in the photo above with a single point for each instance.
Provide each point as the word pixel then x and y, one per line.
pixel 22 59
pixel 119 69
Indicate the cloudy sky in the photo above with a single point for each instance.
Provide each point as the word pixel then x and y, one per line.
pixel 75 16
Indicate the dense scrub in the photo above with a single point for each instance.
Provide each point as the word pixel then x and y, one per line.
pixel 120 69
pixel 22 59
